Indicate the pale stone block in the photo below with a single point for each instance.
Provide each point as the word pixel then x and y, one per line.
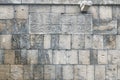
pixel 90 72
pixel 55 18
pixel 68 69
pixel 10 2
pixel 58 9
pixel 102 57
pixel 88 41
pixel 78 41
pixel 80 72
pixel 97 42
pixel 72 9
pixel 47 41
pixel 99 72
pixel 6 12
pixel 4 72
pixel 9 57
pixel 64 42
pixel 84 57
pixel 118 74
pixel 28 1
pixel 49 72
pixel 118 41
pixel 111 72
pixel 17 72
pixel 21 12
pixel 5 41
pixel 32 56
pixel 105 12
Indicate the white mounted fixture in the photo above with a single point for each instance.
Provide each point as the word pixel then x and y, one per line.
pixel 85 5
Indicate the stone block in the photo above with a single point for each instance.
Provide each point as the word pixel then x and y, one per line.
pixel 109 27
pixel 64 42
pixel 105 12
pixel 25 41
pixel 58 9
pixel 109 41
pixel 18 57
pixel 9 57
pixel 28 72
pixel 90 72
pixel 4 72
pixel 49 72
pixel 111 72
pixel 97 42
pixel 84 57
pixel 58 72
pixel 55 41
pixel 100 72
pixel 118 74
pixel 2 26
pixel 5 41
pixel 36 41
pixel 10 2
pixel 27 1
pixel 7 12
pixel 80 72
pixel 47 41
pixel 21 12
pixel 67 69
pixel 15 41
pixel 32 57
pixel 9 29
pixel 78 41
pixel 72 9
pixel 93 57
pixel 23 56
pixel 88 41
pixel 45 57
pixel 1 56
pixel 38 72
pixel 102 57
pixel 55 18
pixel 117 41
pixel 16 72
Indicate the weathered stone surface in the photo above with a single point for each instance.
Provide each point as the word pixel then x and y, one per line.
pixel 111 72
pixel 117 41
pixel 2 26
pixel 9 29
pixel 49 72
pixel 97 42
pixel 37 41
pixel 4 72
pixel 17 57
pixel 99 72
pixel 90 72
pixel 21 12
pixel 1 56
pixel 58 72
pixel 28 72
pixel 45 56
pixel 23 56
pixel 118 73
pixel 58 9
pixel 64 42
pixel 55 41
pixel 15 41
pixel 9 57
pixel 47 42
pixel 5 41
pixel 84 57
pixel 88 41
pixel 7 12
pixel 102 57
pixel 65 57
pixel 67 69
pixel 32 57
pixel 55 18
pixel 16 72
pixel 109 27
pixel 93 57
pixel 109 41
pixel 38 72
pixel 78 41
pixel 72 9
pixel 80 72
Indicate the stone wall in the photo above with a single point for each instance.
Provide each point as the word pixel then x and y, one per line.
pixel 53 40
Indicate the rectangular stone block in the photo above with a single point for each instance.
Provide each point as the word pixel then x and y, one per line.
pixel 28 72
pixel 9 57
pixel 16 41
pixel 93 57
pixel 90 72
pixel 109 41
pixel 47 42
pixel 118 41
pixel 78 41
pixel 10 2
pixel 58 72
pixel 80 72
pixel 111 72
pixel 18 57
pixel 32 57
pixel 38 72
pixel 102 57
pixel 9 29
pixel 84 57
pixel 4 72
pixel 5 41
pixel 55 18
pixel 64 42
pixel 71 9
pixel 16 72
pixel 23 56
pixel 7 12
pixel 36 41
pixel 100 72
pixel 45 57
pixel 58 9
pixel 88 41
pixel 106 27
pixel 97 42
pixel 55 41
pixel 21 12
pixel 1 56
pixel 49 72
pixel 118 74
pixel 67 69
pixel 2 26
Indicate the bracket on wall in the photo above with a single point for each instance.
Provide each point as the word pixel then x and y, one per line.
pixel 85 5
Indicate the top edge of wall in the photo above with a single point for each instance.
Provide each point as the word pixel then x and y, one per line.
pixel 62 2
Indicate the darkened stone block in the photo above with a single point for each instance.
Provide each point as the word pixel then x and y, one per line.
pixel 93 57
pixel 15 41
pixel 54 41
